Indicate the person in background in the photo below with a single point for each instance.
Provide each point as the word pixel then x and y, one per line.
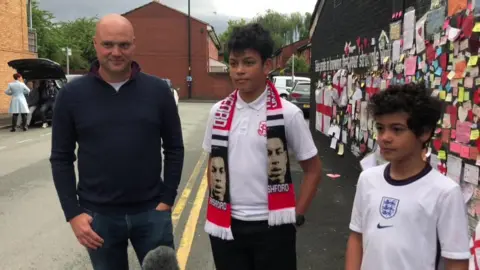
pixel 119 117
pixel 252 209
pixel 405 214
pixel 48 96
pixel 18 105
pixel 33 98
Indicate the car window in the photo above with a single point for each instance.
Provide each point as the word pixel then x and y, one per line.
pixel 289 83
pixel 302 88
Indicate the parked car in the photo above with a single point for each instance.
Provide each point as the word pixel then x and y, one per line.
pixel 40 69
pixel 72 77
pixel 174 91
pixel 285 84
pixel 300 96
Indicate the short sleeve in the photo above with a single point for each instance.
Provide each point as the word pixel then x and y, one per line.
pixel 357 209
pixel 299 137
pixel 452 225
pixel 207 139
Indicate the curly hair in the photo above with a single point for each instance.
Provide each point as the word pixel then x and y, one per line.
pixel 423 110
pixel 251 36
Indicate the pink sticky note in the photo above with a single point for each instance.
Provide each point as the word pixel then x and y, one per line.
pixel 411 66
pixel 465 152
pixel 463 132
pixel 455 147
pixel 453 134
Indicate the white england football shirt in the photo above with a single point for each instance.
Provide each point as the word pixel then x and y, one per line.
pixel 401 221
pixel 247 152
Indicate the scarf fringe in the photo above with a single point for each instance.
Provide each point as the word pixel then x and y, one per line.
pixel 217 231
pixel 282 216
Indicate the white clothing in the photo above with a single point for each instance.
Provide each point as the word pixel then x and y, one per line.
pixel 248 157
pixel 401 221
pixel 18 90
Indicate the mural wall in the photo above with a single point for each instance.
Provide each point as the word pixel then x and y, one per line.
pixel 440 49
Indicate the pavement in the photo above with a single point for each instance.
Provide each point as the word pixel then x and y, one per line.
pixel 35 235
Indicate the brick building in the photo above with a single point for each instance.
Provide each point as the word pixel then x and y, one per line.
pixel 282 55
pixel 162 49
pixel 17 40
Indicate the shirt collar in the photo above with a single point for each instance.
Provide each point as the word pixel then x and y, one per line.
pixel 257 104
pixel 95 66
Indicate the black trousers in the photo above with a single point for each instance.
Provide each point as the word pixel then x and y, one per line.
pixel 15 118
pixel 256 246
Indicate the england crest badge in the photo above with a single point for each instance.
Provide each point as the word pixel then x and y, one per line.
pixel 388 207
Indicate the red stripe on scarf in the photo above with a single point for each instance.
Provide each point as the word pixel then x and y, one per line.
pixel 218 216
pixel 281 200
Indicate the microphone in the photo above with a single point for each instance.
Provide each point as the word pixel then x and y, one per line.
pixel 161 258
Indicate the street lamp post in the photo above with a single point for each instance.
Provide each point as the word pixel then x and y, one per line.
pixel 68 52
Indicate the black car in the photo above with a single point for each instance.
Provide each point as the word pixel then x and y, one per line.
pixel 300 96
pixel 41 70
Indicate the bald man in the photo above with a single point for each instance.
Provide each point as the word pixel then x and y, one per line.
pixel 119 117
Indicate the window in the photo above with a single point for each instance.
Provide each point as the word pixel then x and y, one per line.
pixel 289 83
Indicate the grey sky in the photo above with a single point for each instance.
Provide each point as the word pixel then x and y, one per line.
pixel 215 12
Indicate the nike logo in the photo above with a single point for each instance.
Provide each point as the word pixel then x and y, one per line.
pixel 383 227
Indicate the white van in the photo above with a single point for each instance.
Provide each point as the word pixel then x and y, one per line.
pixel 284 84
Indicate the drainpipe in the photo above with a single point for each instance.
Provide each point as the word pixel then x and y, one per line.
pixel 30 23
pixel 189 53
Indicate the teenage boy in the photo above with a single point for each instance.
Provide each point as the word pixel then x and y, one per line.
pixel 406 214
pixel 252 208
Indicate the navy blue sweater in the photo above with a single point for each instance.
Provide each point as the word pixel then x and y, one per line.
pixel 119 137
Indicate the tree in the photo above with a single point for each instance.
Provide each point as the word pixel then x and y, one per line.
pixel 281 26
pixel 52 37
pixel 300 65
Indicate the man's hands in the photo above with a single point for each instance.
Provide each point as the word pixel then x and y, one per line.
pixel 163 207
pixel 84 232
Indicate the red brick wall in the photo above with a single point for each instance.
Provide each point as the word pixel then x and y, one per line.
pixel 212 49
pixel 13 43
pixel 162 49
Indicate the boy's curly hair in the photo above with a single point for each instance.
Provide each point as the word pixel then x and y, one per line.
pixel 414 99
pixel 251 36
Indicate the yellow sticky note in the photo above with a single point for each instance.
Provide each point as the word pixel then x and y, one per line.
pixel 472 61
pixel 474 134
pixel 385 60
pixel 401 57
pixel 451 46
pixel 443 94
pixel 451 75
pixel 442 155
pixel 340 149
pixel 449 97
pixel 466 96
pixel 461 92
pixel 432 77
pixel 476 28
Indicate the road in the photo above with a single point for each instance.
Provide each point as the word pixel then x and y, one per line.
pixel 34 234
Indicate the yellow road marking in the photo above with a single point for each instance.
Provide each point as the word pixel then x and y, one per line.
pixel 182 201
pixel 186 241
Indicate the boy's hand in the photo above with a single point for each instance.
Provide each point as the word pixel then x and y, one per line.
pixel 354 252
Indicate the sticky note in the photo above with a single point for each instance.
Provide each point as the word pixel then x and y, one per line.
pixel 466 96
pixel 474 134
pixel 465 152
pixel 451 75
pixel 476 28
pixel 472 61
pixel 442 155
pixel 442 95
pixel 438 72
pixel 449 97
pixel 461 92
pixel 455 147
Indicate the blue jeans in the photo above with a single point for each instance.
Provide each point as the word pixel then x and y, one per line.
pixel 146 231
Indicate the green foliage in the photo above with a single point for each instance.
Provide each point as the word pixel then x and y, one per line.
pixel 300 65
pixel 281 26
pixel 53 36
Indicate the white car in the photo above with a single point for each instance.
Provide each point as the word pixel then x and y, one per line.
pixel 174 91
pixel 284 84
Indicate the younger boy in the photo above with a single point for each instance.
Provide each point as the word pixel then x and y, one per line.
pixel 404 208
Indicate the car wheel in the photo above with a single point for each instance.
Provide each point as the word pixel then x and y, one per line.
pixel 283 96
